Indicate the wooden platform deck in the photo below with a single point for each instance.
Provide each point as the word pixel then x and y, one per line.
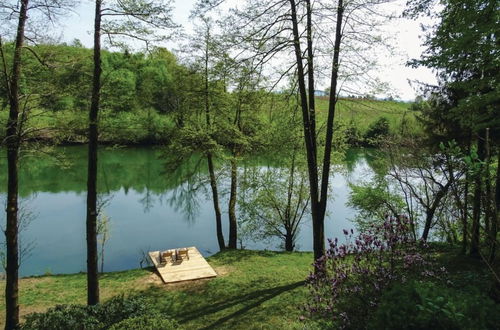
pixel 194 268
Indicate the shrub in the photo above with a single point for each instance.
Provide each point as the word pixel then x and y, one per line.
pixel 120 308
pixel 100 316
pixel 350 278
pixel 353 134
pixel 62 317
pixel 427 305
pixel 146 323
pixel 377 131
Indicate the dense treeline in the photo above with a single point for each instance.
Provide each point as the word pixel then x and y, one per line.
pixel 145 96
pixel 59 76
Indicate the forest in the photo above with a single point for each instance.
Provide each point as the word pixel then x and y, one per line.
pixel 262 139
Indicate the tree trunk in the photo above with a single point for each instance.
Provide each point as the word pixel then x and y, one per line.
pixel 233 224
pixel 496 216
pixel 215 198
pixel 312 167
pixel 318 205
pixel 13 143
pixel 289 246
pixel 488 196
pixel 211 169
pixel 432 210
pixel 92 255
pixel 465 214
pixel 476 203
pixel 329 127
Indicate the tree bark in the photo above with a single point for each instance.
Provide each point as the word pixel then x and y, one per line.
pixel 432 210
pixel 318 204
pixel 330 121
pixel 496 216
pixel 92 255
pixel 310 78
pixel 233 224
pixel 488 196
pixel 318 240
pixel 465 212
pixel 215 198
pixel 476 203
pixel 211 169
pixel 13 144
pixel 289 246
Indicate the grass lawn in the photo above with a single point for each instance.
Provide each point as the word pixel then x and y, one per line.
pixel 254 289
pixel 364 112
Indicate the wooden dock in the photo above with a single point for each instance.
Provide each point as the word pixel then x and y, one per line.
pixel 194 268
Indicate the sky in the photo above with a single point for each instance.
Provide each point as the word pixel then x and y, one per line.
pixel 392 69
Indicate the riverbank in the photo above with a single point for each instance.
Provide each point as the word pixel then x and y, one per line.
pixel 257 289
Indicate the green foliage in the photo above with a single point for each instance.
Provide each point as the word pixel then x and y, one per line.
pixel 248 292
pixel 377 131
pixel 374 201
pixel 155 322
pixel 100 316
pixel 353 134
pixel 62 317
pixel 463 49
pixel 427 305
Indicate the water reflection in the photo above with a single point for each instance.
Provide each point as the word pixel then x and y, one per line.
pixel 150 208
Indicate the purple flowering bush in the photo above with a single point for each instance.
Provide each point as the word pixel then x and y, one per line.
pixel 349 280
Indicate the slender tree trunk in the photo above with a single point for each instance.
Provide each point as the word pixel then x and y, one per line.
pixel 432 210
pixel 496 216
pixel 476 204
pixel 330 121
pixel 310 78
pixel 13 144
pixel 215 198
pixel 487 184
pixel 318 205
pixel 318 239
pixel 233 224
pixel 92 255
pixel 211 168
pixel 465 212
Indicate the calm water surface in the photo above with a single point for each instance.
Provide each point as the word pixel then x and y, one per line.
pixel 149 208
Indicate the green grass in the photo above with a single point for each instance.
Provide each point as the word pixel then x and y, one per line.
pixel 364 112
pixel 135 127
pixel 254 289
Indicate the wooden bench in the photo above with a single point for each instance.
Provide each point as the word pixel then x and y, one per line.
pixel 183 252
pixel 165 255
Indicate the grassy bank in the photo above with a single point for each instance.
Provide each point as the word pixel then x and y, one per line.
pixel 150 127
pixel 259 288
pixel 254 289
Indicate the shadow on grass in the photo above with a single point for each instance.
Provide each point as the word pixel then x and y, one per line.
pixel 231 256
pixel 249 300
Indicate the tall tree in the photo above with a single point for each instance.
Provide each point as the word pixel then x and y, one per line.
pixel 208 45
pixel 273 29
pixel 12 142
pixel 463 49
pixel 47 10
pixel 130 19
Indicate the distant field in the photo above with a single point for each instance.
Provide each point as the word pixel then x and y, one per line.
pixel 133 127
pixel 364 112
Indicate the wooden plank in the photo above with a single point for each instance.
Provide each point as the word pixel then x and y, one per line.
pixel 196 267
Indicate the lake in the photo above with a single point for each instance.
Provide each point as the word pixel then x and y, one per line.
pixel 149 207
